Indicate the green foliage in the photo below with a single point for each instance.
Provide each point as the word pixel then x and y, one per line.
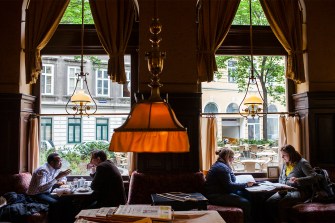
pixel 242 15
pixel 73 12
pixel 76 158
pixel 259 142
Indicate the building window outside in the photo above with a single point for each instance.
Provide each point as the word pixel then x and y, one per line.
pixel 72 78
pixel 272 123
pixel 211 108
pixel 46 129
pixel 102 128
pixel 103 82
pixel 126 86
pixel 47 79
pixel 232 108
pixel 74 130
pixel 254 129
pixel 231 70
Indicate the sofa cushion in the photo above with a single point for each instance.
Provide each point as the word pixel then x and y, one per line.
pixel 18 183
pixel 229 214
pixel 313 212
pixel 142 185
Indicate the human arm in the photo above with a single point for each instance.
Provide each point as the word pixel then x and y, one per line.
pixel 305 175
pixel 228 181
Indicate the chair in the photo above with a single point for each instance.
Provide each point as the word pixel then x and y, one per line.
pixel 253 150
pixel 264 166
pixel 121 160
pixel 249 166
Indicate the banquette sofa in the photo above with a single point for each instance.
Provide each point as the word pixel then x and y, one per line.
pixel 19 183
pixel 142 185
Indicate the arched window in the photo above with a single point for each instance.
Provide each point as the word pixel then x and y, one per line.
pixel 272 108
pixel 232 108
pixel 211 108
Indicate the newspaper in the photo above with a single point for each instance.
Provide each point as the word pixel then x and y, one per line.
pixel 269 186
pixel 244 178
pixel 162 213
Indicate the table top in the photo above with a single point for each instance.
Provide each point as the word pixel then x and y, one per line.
pixel 266 153
pixel 252 161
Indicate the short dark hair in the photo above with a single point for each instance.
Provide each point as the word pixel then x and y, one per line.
pixel 52 157
pixel 99 153
pixel 293 154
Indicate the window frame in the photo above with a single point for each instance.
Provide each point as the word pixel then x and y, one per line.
pixel 51 75
pixel 42 131
pixel 101 125
pixel 74 129
pixel 102 79
pixel 81 84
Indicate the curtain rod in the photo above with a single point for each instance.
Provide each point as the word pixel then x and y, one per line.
pixel 261 113
pixel 96 114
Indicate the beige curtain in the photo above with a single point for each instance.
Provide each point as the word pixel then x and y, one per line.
pixel 215 18
pixel 131 162
pixel 42 19
pixel 113 21
pixel 33 145
pixel 285 18
pixel 290 132
pixel 208 142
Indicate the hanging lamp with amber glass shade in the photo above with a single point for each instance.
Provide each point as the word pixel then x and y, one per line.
pixel 152 126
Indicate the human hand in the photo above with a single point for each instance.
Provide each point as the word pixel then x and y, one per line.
pixel 250 184
pixel 63 174
pixel 90 165
pixel 293 180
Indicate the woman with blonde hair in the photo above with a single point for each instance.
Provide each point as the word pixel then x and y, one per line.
pixel 221 187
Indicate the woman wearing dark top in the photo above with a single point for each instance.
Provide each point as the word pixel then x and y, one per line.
pixel 107 183
pixel 221 187
pixel 296 172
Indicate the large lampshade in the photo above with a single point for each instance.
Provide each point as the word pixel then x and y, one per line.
pixel 253 100
pixel 80 97
pixel 152 125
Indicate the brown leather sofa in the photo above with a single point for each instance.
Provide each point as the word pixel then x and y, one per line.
pixel 142 185
pixel 19 183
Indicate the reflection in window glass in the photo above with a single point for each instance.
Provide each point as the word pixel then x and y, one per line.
pixel 211 108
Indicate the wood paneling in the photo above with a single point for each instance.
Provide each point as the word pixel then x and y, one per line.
pixel 14 128
pixel 317 109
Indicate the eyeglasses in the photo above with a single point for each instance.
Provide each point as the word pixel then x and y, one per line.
pixel 231 157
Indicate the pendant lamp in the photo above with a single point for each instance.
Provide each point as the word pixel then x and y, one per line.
pixel 253 103
pixel 152 126
pixel 79 99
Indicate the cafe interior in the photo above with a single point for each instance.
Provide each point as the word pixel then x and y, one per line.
pixel 185 41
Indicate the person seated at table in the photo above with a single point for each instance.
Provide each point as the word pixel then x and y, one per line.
pixel 46 177
pixel 296 172
pixel 221 187
pixel 107 183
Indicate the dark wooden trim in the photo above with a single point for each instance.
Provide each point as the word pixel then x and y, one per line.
pixel 14 130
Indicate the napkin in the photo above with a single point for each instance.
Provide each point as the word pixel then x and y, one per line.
pixel 61 191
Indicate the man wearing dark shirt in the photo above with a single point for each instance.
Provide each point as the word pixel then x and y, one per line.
pixel 107 182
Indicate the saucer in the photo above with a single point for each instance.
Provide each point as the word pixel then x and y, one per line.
pixel 81 189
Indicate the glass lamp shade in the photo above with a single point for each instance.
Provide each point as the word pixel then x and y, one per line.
pixel 253 100
pixel 81 97
pixel 150 127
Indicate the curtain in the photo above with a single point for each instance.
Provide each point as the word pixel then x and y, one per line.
pixel 208 142
pixel 33 145
pixel 285 18
pixel 42 19
pixel 215 18
pixel 113 21
pixel 289 133
pixel 131 162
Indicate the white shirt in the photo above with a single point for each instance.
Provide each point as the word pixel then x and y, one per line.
pixel 42 180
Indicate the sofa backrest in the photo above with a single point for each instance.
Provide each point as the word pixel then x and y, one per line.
pixel 142 185
pixel 18 183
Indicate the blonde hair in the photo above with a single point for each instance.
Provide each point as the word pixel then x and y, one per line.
pixel 224 155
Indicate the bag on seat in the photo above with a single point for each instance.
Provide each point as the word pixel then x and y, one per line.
pixel 323 189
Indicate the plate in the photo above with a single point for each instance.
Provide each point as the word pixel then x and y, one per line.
pixel 82 190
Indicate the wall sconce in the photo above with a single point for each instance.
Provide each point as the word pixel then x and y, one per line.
pixel 79 98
